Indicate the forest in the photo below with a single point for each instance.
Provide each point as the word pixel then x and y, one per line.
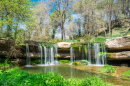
pixel 58 20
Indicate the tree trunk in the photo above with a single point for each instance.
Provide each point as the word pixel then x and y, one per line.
pixel 53 34
pixel 62 31
pixel 109 25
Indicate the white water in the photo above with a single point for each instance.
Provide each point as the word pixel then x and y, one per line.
pixel 40 51
pixel 28 59
pixel 52 57
pixel 56 52
pixel 71 54
pixel 89 53
pixel 45 54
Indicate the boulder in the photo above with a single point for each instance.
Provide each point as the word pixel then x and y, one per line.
pixel 64 44
pixel 119 43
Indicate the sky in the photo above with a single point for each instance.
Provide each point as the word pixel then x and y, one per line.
pixel 34 0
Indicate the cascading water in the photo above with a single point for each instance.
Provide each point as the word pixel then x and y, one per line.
pixel 28 59
pixel 71 54
pixel 89 53
pixel 56 52
pixel 52 56
pixel 100 54
pixel 45 54
pixel 40 51
pixel 96 47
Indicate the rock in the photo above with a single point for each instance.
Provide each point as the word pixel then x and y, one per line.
pixel 119 43
pixel 124 54
pixel 30 42
pixel 64 44
pixel 5 45
pixel 120 55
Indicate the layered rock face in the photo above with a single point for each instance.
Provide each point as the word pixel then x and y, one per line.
pixel 119 47
pixel 5 45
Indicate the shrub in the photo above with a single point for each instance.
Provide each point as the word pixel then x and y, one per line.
pixel 108 69
pixel 64 61
pixel 18 77
pixel 126 74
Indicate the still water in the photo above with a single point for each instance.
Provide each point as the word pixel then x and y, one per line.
pixel 69 71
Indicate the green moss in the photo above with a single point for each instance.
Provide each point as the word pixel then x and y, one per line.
pixel 81 62
pixel 108 69
pixel 64 61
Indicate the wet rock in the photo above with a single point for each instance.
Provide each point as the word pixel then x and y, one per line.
pixel 119 43
pixel 81 62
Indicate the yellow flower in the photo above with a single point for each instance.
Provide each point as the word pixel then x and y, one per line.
pixel 79 83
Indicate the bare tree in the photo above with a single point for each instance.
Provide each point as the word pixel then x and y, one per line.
pixel 63 8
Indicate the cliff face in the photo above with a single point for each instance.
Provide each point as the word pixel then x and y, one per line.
pixel 5 45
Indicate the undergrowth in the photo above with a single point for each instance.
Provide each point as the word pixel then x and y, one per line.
pixel 19 77
pixel 108 69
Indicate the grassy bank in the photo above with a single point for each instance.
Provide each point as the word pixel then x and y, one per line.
pixel 19 77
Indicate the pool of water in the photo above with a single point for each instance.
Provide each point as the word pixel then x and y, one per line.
pixel 69 71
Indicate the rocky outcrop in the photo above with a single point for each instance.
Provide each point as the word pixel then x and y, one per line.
pixel 119 47
pixel 5 45
pixel 64 45
pixel 119 43
pixel 124 54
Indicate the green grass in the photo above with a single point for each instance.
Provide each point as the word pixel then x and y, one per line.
pixel 126 74
pixel 19 77
pixel 107 69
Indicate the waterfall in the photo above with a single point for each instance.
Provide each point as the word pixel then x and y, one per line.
pixel 45 54
pixel 56 52
pixel 71 54
pixel 52 56
pixel 100 54
pixel 27 54
pixel 89 53
pixel 40 51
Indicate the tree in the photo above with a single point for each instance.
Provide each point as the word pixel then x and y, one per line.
pixel 12 13
pixel 63 8
pixel 87 9
pixel 40 16
pixel 54 23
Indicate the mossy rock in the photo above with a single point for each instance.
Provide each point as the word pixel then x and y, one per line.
pixel 81 62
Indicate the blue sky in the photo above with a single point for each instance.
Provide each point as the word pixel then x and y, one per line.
pixel 34 0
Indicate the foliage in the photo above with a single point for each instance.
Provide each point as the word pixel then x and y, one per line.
pixel 126 74
pixel 108 69
pixel 4 64
pixel 33 62
pixel 64 61
pixel 16 76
